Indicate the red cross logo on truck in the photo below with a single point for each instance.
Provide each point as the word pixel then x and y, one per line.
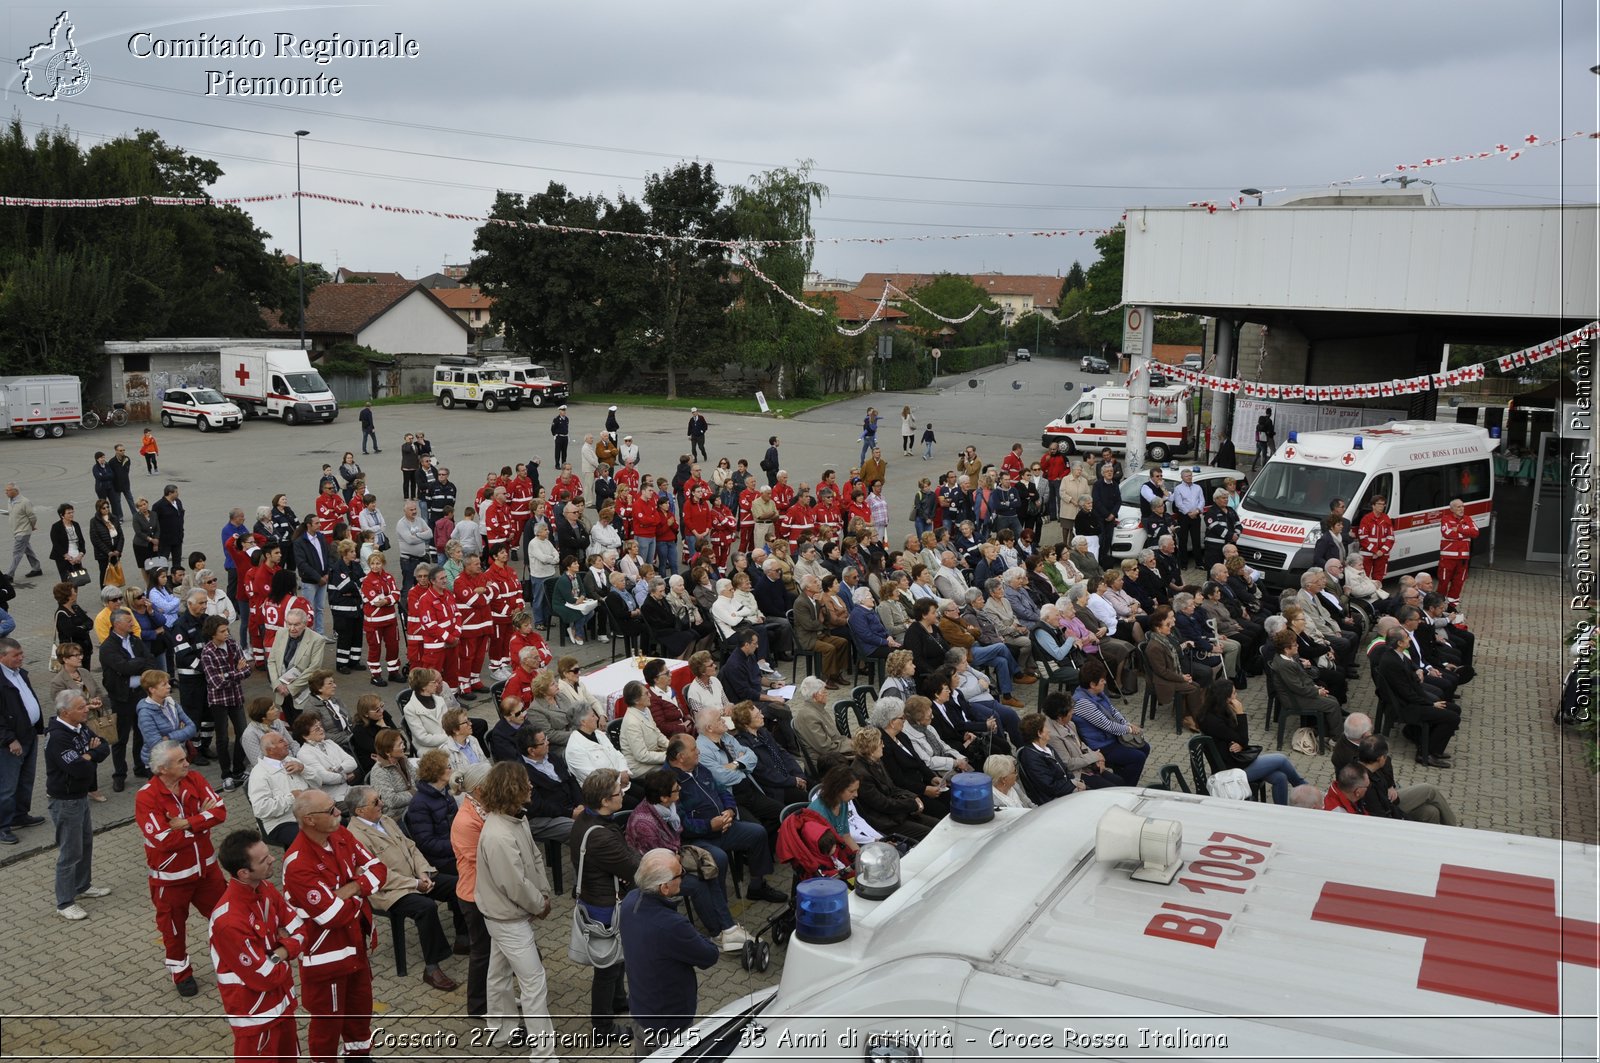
pixel 241 374
pixel 1489 935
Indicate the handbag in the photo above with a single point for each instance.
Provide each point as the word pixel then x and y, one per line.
pixel 113 576
pixel 593 944
pixel 1305 741
pixel 104 724
pixel 78 576
pixel 698 862
pixel 1246 756
pixel 1133 741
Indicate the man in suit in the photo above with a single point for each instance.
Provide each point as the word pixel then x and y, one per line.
pixel 22 721
pixel 1412 701
pixel 313 561
pixel 811 632
pixel 122 479
pixel 124 657
pixel 556 799
pixel 295 654
pixel 571 536
pixel 168 512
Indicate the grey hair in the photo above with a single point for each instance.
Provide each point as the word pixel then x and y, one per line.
pixel 885 711
pixel 1079 590
pixel 1181 602
pixel 1306 796
pixel 972 594
pixel 862 595
pixel 205 574
pixel 197 593
pixel 723 584
pixel 1079 541
pixel 524 658
pixel 1015 572
pixel 1274 624
pixel 1149 555
pixel 1355 558
pixel 706 717
pixel 357 796
pixel 656 868
pixel 998 765
pixel 955 655
pixel 675 582
pixel 263 512
pixel 810 685
pixel 849 570
pixel 162 752
pixel 807 582
pixel 991 585
pixel 1309 576
pixel 1357 725
pixel 1165 540
pixel 1221 492
pixel 657 581
pixel 291 614
pixel 1048 612
pixel 111 593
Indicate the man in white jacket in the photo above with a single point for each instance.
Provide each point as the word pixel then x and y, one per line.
pixel 274 781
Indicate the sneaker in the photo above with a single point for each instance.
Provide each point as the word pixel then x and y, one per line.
pixel 229 784
pixel 732 939
pixel 96 891
pixel 576 641
pixel 600 638
pixel 26 821
pixel 188 987
pixel 72 912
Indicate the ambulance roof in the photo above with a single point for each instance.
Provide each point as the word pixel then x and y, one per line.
pixel 1414 440
pixel 1335 917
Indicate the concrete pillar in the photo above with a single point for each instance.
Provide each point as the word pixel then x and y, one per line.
pixel 1138 326
pixel 1222 366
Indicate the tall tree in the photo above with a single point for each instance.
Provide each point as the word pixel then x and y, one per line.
pixel 1074 279
pixel 1102 290
pixel 952 295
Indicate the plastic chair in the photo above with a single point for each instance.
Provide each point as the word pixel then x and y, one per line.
pixel 1205 760
pixel 1172 778
pixel 1063 674
pixel 841 716
pixel 1275 709
pixel 397 934
pixel 863 699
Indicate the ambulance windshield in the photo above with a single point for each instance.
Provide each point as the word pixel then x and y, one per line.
pixel 1285 489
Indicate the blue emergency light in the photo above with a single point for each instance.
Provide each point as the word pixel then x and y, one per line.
pixel 1358 442
pixel 1294 437
pixel 822 911
pixel 1494 431
pixel 971 797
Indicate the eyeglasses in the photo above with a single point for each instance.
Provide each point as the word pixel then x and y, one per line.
pixel 330 810
pixel 213 579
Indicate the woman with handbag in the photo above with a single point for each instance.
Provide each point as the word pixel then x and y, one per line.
pixel 654 823
pixel 72 623
pixel 146 533
pixel 1222 717
pixel 67 546
pixel 606 863
pixel 105 536
pixel 68 673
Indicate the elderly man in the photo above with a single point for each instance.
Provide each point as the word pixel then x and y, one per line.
pixel 24 522
pixel 1414 697
pixel 948 582
pixel 1321 622
pixel 1106 504
pixel 1015 582
pixel 1187 506
pixel 1346 791
pixel 414 887
pixel 1456 532
pixel 556 799
pixel 710 818
pixel 295 654
pixel 72 753
pixel 815 724
pixel 661 949
pixel 413 539
pixel 21 723
pixel 1221 523
pixel 811 632
pixel 275 782
pixel 328 877
pixel 176 812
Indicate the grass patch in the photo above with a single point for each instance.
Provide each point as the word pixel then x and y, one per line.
pixel 780 407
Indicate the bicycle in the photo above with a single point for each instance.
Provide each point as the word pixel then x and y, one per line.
pixel 116 417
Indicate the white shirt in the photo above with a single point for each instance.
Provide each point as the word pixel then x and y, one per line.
pixel 543 558
pixel 1187 497
pixel 1103 611
pixel 702 696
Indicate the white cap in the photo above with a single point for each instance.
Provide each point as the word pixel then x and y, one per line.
pixel 613 409
pixel 626 438
pixel 694 409
pixel 563 405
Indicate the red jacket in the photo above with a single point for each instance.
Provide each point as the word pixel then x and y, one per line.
pixel 1335 801
pixel 1376 534
pixel 505 594
pixel 338 932
pixel 331 509
pixel 799 518
pixel 178 855
pixel 473 598
pixel 499 525
pixel 645 519
pixel 246 925
pixel 627 476
pixel 782 495
pixel 1012 463
pixel 697 518
pixel 375 586
pixel 257 584
pixel 519 641
pixel 666 526
pixel 519 492
pixel 434 617
pixel 1054 465
pixel 1456 535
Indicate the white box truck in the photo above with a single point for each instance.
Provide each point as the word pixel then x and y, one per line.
pixel 276 382
pixel 41 406
pixel 1136 924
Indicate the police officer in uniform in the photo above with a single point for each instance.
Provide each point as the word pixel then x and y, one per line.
pixel 697 434
pixel 559 429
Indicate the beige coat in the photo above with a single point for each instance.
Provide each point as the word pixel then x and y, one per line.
pixel 308 657
pixel 512 882
pixel 643 744
pixel 399 854
pixel 1073 487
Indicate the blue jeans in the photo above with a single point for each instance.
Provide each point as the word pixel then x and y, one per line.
pixel 742 837
pixel 998 656
pixel 710 899
pixel 921 526
pixel 927 450
pixel 75 840
pixel 647 550
pixel 667 558
pixel 16 780
pixel 317 595
pixel 867 443
pixel 538 602
pixel 366 434
pixel 1276 769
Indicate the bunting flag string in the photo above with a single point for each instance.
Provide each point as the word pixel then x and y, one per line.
pixel 1385 389
pixel 968 316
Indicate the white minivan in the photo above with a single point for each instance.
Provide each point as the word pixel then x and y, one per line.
pixel 1418 466
pixel 1100 419
pixel 1134 924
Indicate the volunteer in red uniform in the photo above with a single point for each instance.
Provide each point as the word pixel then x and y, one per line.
pixel 327 877
pixel 825 514
pixel 1376 536
pixel 519 492
pixel 1012 463
pixel 628 476
pixel 474 598
pixel 255 583
pixel 724 530
pixel 380 620
pixel 747 523
pixel 176 811
pixel 505 600
pixel 697 519
pixel 254 935
pixel 645 519
pixel 414 621
pixel 437 628
pixel 782 493
pixel 524 635
pixel 799 519
pixel 1456 532
pixel 331 508
pixel 498 524
pixel 623 505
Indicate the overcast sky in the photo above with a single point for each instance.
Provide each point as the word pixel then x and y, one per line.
pixel 925 119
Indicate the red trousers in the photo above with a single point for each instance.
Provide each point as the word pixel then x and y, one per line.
pixel 173 901
pixel 276 1041
pixel 1376 566
pixel 383 647
pixel 469 658
pixel 500 645
pixel 341 1014
pixel 1452 577
pixel 436 659
pixel 258 644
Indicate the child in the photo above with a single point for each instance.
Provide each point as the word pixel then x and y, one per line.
pixel 927 441
pixel 147 447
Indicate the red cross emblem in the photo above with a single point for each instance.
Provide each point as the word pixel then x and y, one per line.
pixel 1489 935
pixel 1288 452
pixel 241 374
pixel 1349 458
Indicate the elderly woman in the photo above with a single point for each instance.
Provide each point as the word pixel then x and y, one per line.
pixel 1061 734
pixel 925 739
pixel 424 712
pixel 392 773
pixel 321 698
pixel 1318 655
pixel 688 610
pixel 1082 622
pixel 1198 638
pixel 1104 729
pixel 1045 777
pixel 264 715
pixel 1356 580
pixel 462 746
pixel 329 767
pixel 1174 678
pixel 590 748
pixel 891 606
pixel 905 766
pixel 705 689
pixel 867 631
pixel 666 627
pixel 777 773
pixel 1298 693
pixel 670 717
pixel 1247 636
pixel 544 711
pixel 1132 620
pixel 900 676
pixel 887 808
pixel 643 744
pixel 1006 777
pixel 655 824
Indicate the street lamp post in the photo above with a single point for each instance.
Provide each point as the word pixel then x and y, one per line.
pixel 300 236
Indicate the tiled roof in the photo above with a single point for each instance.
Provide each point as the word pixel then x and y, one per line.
pixel 463 298
pixel 1045 290
pixel 346 309
pixel 849 306
pixel 346 275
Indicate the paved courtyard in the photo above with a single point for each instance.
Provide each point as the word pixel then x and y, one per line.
pixel 97 989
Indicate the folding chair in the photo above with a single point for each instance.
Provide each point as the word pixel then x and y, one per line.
pixel 1205 760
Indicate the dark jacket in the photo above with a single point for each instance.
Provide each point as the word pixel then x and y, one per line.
pixel 776 768
pixel 117 667
pixel 105 480
pixel 552 797
pixel 1107 499
pixel 927 648
pixel 59 539
pixel 906 769
pixel 608 863
pixel 885 806
pixel 1376 799
pixel 428 819
pixel 69 763
pixel 503 742
pixel 1045 778
pixel 661 949
pixel 169 518
pixel 702 801
pixel 121 474
pixel 1327 549
pixel 741 677
pixel 14 723
pixel 308 565
pixel 1225 729
pixel 106 540
pixel 770 595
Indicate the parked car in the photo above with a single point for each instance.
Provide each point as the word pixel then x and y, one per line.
pixel 205 408
pixel 461 381
pixel 1093 363
pixel 1130 536
pixel 1195 361
pixel 1023 355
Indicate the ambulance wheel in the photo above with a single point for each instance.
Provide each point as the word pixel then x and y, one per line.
pixel 447 400
pixel 747 956
pixel 490 404
pixel 537 399
pixel 38 431
pixel 57 431
pixel 202 424
pixel 289 416
pixel 1158 452
pixel 763 956
pixel 166 420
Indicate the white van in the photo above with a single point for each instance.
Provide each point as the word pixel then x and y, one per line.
pixel 1419 466
pixel 1100 419
pixel 276 382
pixel 1278 933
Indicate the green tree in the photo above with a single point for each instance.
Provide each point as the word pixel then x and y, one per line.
pixel 54 310
pixel 1102 290
pixel 1074 280
pixel 1186 329
pixel 952 295
pixel 768 330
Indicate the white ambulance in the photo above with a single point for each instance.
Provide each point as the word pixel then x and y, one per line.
pixel 1100 419
pixel 1130 924
pixel 1419 466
